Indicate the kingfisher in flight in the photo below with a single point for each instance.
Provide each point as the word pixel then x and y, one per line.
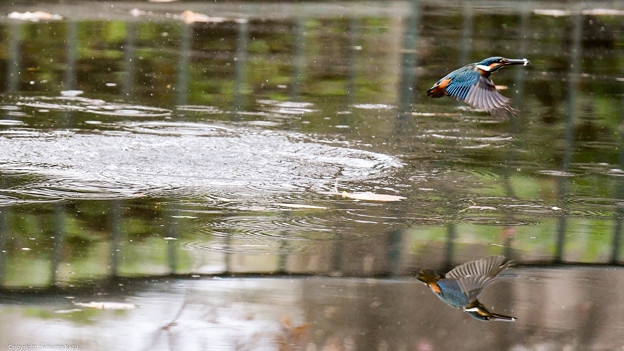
pixel 472 85
pixel 461 286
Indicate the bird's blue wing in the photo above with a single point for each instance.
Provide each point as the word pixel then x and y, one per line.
pixel 451 293
pixel 462 80
pixel 477 91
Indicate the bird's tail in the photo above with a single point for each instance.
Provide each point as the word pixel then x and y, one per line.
pixel 435 92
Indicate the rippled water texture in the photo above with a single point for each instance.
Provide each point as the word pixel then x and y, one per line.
pixel 139 158
pixel 272 176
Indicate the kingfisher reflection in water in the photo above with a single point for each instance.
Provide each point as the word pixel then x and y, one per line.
pixel 461 286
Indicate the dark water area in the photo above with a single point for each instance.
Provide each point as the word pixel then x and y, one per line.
pixel 272 176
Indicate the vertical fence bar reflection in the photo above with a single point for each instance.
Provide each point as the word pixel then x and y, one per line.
pixel 240 67
pixel 451 234
pixel 183 64
pixel 59 239
pixel 4 239
pixel 570 117
pixel 337 254
pixel 282 254
pixel 228 257
pixel 465 49
pixel 394 255
pixel 511 156
pixel 354 48
pixel 409 58
pixel 115 232
pixel 619 195
pixel 129 48
pixel 519 83
pixel 466 41
pixel 171 239
pixel 617 229
pixel 69 75
pixel 298 59
pixel 71 43
pixel 14 57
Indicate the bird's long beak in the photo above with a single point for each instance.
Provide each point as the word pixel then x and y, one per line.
pixel 479 312
pixel 500 317
pixel 509 62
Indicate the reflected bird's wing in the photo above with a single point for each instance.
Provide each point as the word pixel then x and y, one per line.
pixel 475 275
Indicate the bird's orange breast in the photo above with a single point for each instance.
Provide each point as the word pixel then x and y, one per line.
pixel 434 286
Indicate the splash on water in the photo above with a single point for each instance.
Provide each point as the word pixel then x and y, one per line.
pixel 181 157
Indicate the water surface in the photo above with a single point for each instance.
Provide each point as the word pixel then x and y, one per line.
pixel 246 176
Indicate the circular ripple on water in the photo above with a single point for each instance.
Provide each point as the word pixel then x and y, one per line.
pixel 161 158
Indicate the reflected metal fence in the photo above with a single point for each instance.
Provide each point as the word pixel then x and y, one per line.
pixel 390 259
